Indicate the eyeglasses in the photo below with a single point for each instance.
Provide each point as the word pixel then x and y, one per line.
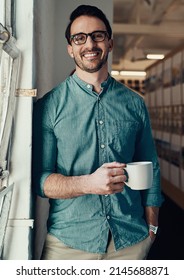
pixel 96 36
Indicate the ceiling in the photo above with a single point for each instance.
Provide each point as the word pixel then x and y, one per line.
pixel 145 26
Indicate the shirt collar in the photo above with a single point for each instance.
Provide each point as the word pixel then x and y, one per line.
pixel 88 87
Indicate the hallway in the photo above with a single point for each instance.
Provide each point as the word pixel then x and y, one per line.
pixel 169 244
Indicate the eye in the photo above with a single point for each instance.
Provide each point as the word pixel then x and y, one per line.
pixel 80 38
pixel 98 35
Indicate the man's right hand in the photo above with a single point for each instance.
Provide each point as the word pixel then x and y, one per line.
pixel 108 179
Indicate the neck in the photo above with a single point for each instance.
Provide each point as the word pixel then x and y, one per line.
pixel 95 79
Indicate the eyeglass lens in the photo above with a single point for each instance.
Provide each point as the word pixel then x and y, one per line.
pixel 97 36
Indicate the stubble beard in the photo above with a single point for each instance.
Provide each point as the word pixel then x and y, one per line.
pixel 91 69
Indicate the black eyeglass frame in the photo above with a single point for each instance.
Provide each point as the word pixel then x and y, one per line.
pixel 89 34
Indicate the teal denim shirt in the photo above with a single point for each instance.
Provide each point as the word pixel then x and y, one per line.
pixel 77 130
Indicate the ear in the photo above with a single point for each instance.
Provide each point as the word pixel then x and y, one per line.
pixel 110 45
pixel 70 51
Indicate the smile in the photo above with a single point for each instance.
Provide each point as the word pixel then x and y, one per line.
pixel 90 55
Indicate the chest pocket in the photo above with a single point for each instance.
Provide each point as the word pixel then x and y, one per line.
pixel 124 137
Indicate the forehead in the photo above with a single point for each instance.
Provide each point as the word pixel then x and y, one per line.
pixel 87 24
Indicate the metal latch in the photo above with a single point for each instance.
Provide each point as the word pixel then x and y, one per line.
pixel 4 34
pixel 26 92
pixel 3 173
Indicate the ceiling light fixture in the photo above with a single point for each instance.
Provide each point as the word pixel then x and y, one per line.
pixel 133 73
pixel 114 73
pixel 155 56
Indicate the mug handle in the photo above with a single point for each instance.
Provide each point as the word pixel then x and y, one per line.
pixel 126 173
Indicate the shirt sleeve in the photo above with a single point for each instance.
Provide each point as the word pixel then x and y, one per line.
pixel 145 150
pixel 44 147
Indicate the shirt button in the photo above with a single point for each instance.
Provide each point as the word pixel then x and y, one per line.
pixel 102 146
pixel 88 86
pixel 106 195
pixel 101 122
pixel 108 217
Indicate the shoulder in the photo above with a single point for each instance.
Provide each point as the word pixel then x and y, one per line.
pixel 52 97
pixel 47 107
pixel 127 92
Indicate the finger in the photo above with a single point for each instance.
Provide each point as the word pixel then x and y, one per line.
pixel 117 171
pixel 118 179
pixel 114 164
pixel 119 187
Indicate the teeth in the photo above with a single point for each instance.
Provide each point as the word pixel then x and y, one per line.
pixel 90 54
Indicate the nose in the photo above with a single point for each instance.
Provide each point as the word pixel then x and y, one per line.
pixel 90 42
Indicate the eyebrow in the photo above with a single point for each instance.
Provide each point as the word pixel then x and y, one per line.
pixel 89 32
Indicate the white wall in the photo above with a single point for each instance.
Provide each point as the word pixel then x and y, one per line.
pixel 53 65
pixel 18 236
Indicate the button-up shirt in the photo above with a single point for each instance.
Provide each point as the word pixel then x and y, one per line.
pixel 76 130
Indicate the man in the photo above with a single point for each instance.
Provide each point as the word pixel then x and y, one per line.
pixel 86 130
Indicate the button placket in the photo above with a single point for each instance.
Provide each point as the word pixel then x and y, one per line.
pixel 102 132
pixel 103 152
pixel 107 206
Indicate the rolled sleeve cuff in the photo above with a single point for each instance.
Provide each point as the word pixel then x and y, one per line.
pixel 152 200
pixel 40 188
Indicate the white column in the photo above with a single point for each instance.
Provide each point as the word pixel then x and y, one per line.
pixel 18 235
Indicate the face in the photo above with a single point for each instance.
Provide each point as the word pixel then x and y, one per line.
pixel 90 56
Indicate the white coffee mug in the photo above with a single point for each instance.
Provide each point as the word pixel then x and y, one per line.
pixel 140 175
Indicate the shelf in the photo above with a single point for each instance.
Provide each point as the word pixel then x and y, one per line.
pixel 164 97
pixel 137 85
pixel 173 193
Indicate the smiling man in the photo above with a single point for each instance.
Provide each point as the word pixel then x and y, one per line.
pixel 85 131
pixel 89 50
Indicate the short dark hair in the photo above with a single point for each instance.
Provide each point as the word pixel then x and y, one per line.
pixel 87 10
